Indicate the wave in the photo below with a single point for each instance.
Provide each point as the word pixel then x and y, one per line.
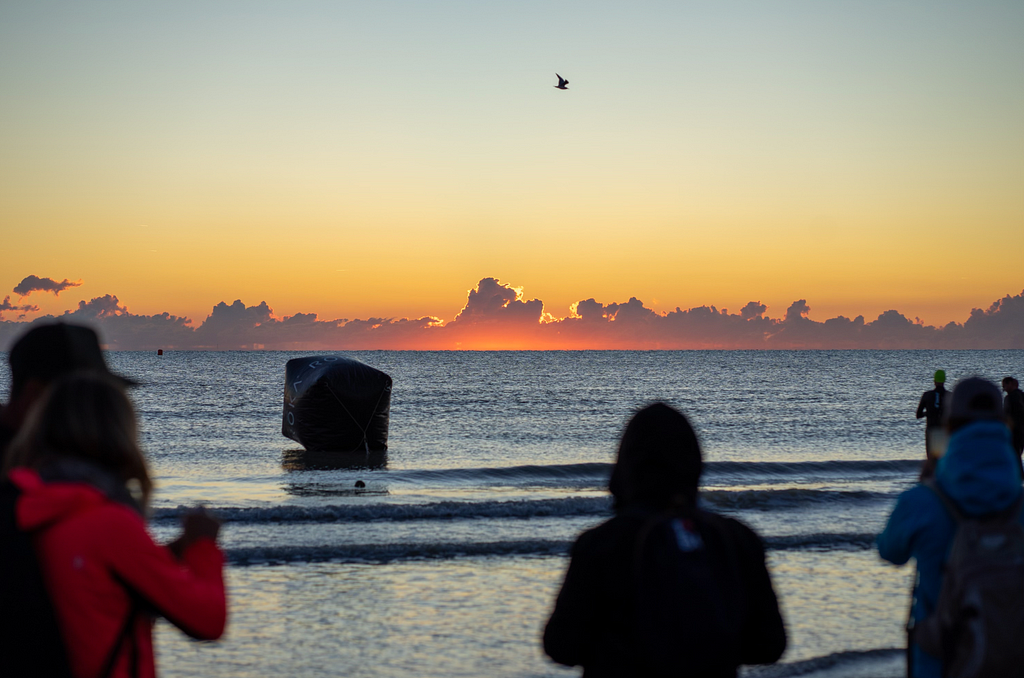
pixel 567 507
pixel 827 541
pixel 597 473
pixel 882 663
pixel 793 497
pixel 384 553
pixel 842 467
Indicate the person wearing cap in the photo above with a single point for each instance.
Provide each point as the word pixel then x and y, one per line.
pixel 979 472
pixel 40 356
pixel 930 408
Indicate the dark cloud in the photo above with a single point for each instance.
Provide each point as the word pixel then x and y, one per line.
pixel 1001 325
pixel 99 308
pixel 753 309
pixel 494 302
pixel 496 315
pixel 117 326
pixel 34 283
pixel 6 305
pixel 232 326
pixel 589 310
pixel 797 310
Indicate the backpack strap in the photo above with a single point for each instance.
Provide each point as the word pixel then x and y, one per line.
pixel 1007 514
pixel 951 508
pixel 1013 511
pixel 125 635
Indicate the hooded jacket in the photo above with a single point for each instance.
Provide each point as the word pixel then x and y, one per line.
pixel 981 474
pixel 593 622
pixel 100 565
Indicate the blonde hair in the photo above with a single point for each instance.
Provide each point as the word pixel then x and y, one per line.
pixel 84 416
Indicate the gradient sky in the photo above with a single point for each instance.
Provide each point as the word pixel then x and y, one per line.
pixel 378 159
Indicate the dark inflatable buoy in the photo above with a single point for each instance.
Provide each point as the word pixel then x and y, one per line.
pixel 338 404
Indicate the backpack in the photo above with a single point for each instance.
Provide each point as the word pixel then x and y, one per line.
pixel 977 628
pixel 30 640
pixel 31 645
pixel 688 615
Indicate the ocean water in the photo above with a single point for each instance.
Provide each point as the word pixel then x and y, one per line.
pixel 447 562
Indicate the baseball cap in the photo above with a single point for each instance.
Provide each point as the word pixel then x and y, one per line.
pixel 51 350
pixel 975 398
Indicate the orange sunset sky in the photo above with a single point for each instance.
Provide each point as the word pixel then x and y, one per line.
pixel 360 160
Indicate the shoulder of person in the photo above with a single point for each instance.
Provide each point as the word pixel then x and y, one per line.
pixel 608 534
pixel 919 505
pixel 116 515
pixel 732 529
pixel 920 494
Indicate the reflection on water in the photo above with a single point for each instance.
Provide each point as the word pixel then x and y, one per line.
pixel 309 460
pixel 335 490
pixel 430 619
pixel 439 618
pixel 301 484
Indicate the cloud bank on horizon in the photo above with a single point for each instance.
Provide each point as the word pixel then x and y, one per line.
pixel 497 316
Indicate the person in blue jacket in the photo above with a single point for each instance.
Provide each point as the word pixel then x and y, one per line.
pixel 979 472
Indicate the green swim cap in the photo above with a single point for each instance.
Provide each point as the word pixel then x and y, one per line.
pixel 940 376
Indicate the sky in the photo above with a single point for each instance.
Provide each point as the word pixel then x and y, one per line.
pixel 381 160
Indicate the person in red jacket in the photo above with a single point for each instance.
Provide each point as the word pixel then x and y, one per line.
pixel 84 488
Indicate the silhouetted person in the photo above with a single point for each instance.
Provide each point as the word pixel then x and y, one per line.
pixel 1013 407
pixel 37 358
pixel 979 473
pixel 931 407
pixel 664 588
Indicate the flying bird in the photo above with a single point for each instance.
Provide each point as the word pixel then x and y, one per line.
pixel 562 82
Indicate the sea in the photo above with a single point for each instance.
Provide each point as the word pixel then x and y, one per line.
pixel 444 556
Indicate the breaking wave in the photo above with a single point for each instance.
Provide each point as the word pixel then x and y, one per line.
pixel 443 510
pixel 597 474
pixel 568 507
pixel 383 553
pixel 879 663
pixel 794 497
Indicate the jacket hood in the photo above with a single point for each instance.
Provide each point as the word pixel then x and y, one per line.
pixel 65 488
pixel 659 461
pixel 980 470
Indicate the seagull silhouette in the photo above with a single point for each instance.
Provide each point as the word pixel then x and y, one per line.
pixel 562 82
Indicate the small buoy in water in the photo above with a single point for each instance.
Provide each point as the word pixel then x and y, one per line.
pixel 360 483
pixel 159 351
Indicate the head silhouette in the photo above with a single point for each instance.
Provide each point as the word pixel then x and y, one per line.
pixel 659 462
pixel 974 399
pixel 84 416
